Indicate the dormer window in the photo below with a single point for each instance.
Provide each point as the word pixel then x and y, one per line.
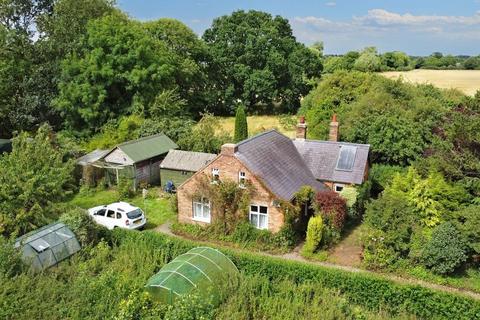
pixel 215 175
pixel 242 179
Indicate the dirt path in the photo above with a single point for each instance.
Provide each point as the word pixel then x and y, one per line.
pixel 295 256
pixel 349 251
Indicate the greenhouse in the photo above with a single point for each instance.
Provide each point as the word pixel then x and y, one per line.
pixel 47 246
pixel 200 268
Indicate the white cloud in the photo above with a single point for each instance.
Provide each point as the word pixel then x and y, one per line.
pixel 331 4
pixel 384 17
pixel 388 30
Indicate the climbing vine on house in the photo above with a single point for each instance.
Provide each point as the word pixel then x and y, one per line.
pixel 229 211
pixel 229 202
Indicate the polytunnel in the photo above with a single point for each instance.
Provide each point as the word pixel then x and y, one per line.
pixel 202 268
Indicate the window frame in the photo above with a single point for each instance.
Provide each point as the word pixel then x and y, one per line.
pixel 354 150
pixel 114 215
pixel 203 202
pixel 340 185
pixel 242 177
pixel 258 214
pixel 215 175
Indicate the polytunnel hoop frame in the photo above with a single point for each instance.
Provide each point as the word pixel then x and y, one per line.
pixel 189 270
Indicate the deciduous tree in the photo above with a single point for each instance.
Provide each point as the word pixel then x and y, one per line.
pixel 33 176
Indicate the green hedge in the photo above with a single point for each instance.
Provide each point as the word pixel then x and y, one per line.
pixel 369 291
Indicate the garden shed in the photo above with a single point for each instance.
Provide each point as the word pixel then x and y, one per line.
pixel 47 246
pixel 137 160
pixel 180 165
pixel 202 268
pixel 87 170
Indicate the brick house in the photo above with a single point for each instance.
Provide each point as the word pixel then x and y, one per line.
pixel 272 165
pixel 277 167
pixel 337 164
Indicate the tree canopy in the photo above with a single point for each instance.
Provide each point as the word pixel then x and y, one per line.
pixel 34 176
pixel 256 59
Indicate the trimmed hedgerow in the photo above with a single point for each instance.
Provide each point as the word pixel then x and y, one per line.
pixel 369 291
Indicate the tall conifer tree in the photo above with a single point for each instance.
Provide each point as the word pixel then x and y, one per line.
pixel 241 128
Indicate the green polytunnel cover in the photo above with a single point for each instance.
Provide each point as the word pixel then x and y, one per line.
pixel 47 246
pixel 201 268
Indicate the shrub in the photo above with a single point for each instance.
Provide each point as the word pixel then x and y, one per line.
pixel 333 208
pixel 381 176
pixel 10 261
pixel 82 224
pixel 32 177
pixel 446 251
pixel 314 234
pixel 244 235
pixel 392 218
pixel 468 223
pixel 125 188
pixel 191 307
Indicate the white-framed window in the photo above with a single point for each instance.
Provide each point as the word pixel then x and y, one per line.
pixel 242 179
pixel 338 187
pixel 259 216
pixel 215 175
pixel 201 209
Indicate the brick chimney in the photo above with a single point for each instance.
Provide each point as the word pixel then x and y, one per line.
pixel 301 129
pixel 333 134
pixel 228 149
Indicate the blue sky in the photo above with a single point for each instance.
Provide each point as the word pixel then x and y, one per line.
pixel 417 27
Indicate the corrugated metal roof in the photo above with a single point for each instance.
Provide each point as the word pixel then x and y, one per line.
pixel 322 158
pixel 186 160
pixel 91 157
pixel 274 158
pixel 148 147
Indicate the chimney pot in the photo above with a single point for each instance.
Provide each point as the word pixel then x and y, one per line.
pixel 301 132
pixel 333 133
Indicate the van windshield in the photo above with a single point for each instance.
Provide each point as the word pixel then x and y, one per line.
pixel 134 214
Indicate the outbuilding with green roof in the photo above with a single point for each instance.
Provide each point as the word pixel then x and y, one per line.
pixel 138 160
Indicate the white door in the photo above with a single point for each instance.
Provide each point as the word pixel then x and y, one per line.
pixel 110 219
pixel 99 216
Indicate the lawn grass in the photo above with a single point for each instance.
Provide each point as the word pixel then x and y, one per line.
pixel 258 124
pixel 157 208
pixel 467 81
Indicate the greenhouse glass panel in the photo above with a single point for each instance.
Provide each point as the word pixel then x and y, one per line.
pixel 47 246
pixel 200 268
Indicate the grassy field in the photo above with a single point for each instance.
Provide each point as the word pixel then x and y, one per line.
pixel 467 81
pixel 157 208
pixel 258 124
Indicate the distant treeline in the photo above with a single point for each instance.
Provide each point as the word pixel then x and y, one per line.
pixel 370 60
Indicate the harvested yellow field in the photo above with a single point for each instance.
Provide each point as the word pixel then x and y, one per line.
pixel 257 124
pixel 467 81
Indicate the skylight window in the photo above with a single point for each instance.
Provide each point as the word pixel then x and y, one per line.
pixel 346 158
